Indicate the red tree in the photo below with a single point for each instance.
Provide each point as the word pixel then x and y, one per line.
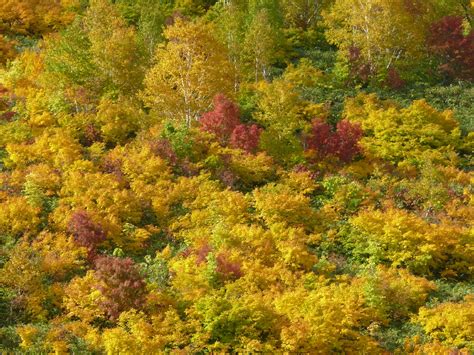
pixel 358 68
pixel 222 120
pixel 202 253
pixel 121 285
pixel 246 137
pixel 86 233
pixel 455 49
pixel 347 137
pixel 320 137
pixel 342 143
pixel 163 148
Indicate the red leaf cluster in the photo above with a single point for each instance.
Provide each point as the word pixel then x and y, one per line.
pixel 162 147
pixel 225 124
pixel 222 120
pixel 113 166
pixel 342 143
pixel 202 253
pixel 121 285
pixel 226 268
pixel 86 232
pixel 301 168
pixel 394 79
pixel 246 137
pixel 358 68
pixel 455 49
pixel 91 135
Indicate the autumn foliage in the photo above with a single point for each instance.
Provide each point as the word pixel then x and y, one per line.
pixel 224 122
pixel 120 285
pixel 85 231
pixel 246 137
pixel 342 143
pixel 455 48
pixel 238 176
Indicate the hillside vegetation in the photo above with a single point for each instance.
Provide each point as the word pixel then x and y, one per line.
pixel 255 176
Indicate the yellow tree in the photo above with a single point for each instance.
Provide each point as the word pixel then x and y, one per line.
pixel 325 320
pixel 285 115
pixel 397 134
pixel 260 45
pixel 381 32
pixel 35 16
pixel 399 238
pixel 280 107
pixel 98 54
pixel 394 293
pixel 191 68
pixel 302 14
pixel 114 47
pixel 449 322
pixel 52 257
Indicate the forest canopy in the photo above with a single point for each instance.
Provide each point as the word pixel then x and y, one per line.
pixel 197 176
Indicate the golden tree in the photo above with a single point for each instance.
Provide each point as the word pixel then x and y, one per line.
pixel 191 68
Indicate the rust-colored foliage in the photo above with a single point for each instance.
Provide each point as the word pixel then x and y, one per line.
pixel 120 284
pixel 341 143
pixel 222 120
pixel 394 79
pixel 227 268
pixel 455 49
pixel 162 147
pixel 246 137
pixel 86 232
